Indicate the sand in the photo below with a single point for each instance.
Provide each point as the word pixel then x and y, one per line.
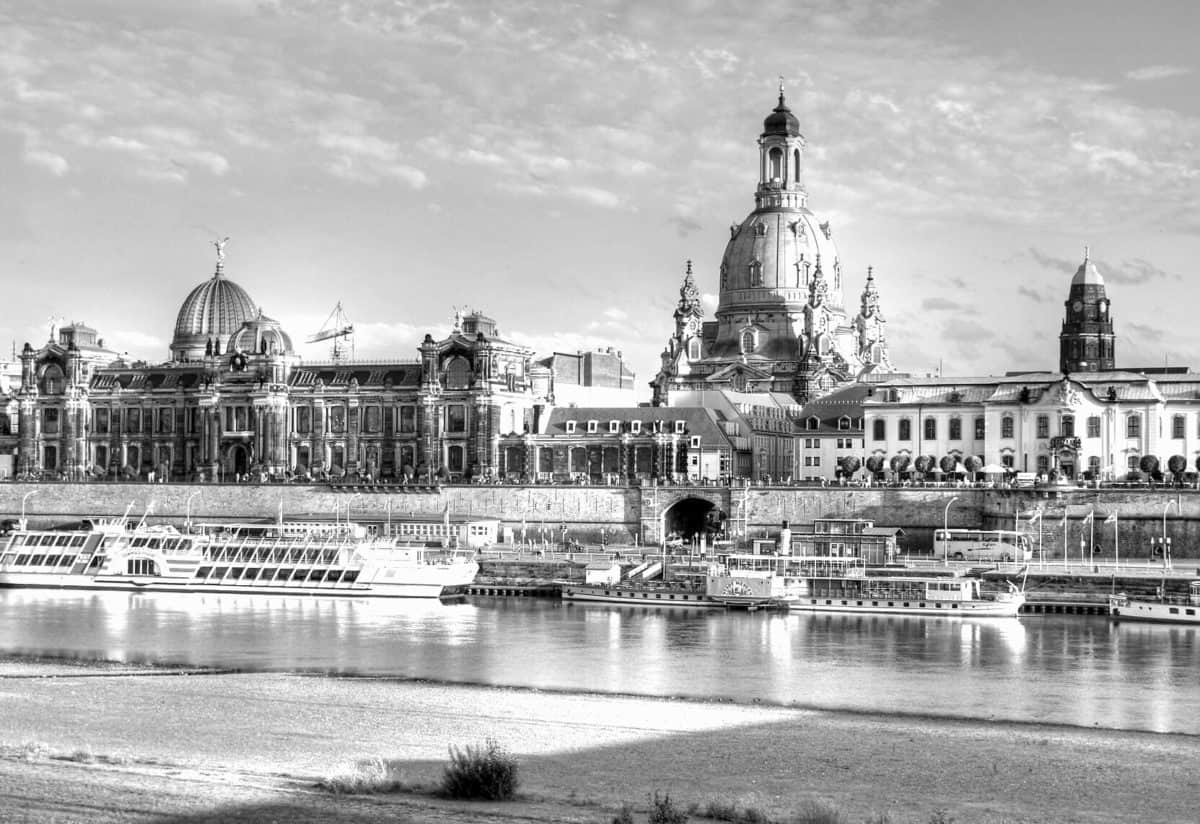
pixel 117 744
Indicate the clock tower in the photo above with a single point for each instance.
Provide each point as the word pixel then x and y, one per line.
pixel 1086 343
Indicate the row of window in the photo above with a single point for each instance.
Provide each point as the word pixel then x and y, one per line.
pixel 1133 427
pixel 840 443
pixel 635 427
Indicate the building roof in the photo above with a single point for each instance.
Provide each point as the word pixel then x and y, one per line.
pixel 697 420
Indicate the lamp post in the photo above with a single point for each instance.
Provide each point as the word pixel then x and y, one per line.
pixel 25 498
pixel 188 520
pixel 1166 543
pixel 946 532
pixel 349 501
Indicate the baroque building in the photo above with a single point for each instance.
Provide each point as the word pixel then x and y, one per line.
pixel 781 325
pixel 235 399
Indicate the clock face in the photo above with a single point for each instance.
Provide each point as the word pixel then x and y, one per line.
pixel 1078 305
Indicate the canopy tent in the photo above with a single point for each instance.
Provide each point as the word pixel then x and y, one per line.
pixel 994 469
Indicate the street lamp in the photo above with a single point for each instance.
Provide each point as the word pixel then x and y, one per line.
pixel 188 523
pixel 349 501
pixel 25 498
pixel 1166 545
pixel 946 532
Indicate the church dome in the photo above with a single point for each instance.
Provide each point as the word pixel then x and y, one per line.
pixel 262 336
pixel 210 314
pixel 772 257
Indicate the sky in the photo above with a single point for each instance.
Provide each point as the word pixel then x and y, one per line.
pixel 554 166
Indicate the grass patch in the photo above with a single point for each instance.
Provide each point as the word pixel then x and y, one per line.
pixel 32 751
pixel 664 811
pixel 818 812
pixel 736 812
pixel 624 815
pixel 372 776
pixel 487 773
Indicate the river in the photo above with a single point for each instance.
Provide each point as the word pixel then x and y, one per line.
pixel 1075 670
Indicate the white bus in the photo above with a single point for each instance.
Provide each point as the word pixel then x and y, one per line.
pixel 981 545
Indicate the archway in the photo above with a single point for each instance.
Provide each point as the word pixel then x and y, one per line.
pixel 691 517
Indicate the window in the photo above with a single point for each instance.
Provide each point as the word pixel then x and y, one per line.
pixel 372 420
pixel 748 340
pixel 844 422
pixel 1093 426
pixel 931 429
pixel 458 373
pixel 1094 466
pixel 570 427
pixel 694 349
pixel 592 426
pixel 408 419
pixel 614 426
pixel 956 429
pixel 1132 462
pixel 694 442
pixel 1006 427
pixel 879 429
pixel 980 428
pixel 100 420
pixel 905 432
pixel 1043 464
pixel 1177 424
pixel 1133 426
pixel 454 458
pixel 1006 461
pixel 1043 426
pixel 679 427
pixel 1067 426
pixel 50 421
pixel 456 418
pixel 337 419
pixel 635 427
pixel 813 423
pixel 133 420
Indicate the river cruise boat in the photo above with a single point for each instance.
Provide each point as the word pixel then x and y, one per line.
pixel 277 558
pixel 842 584
pixel 649 593
pixel 1174 609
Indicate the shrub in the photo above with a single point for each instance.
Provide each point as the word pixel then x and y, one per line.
pixel 488 773
pixel 664 811
pixel 818 812
pixel 940 816
pixel 372 776
pixel 733 812
pixel 624 815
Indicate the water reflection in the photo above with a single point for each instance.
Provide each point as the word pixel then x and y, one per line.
pixel 1068 669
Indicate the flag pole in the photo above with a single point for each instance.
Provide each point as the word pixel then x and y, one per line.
pixel 1116 541
pixel 1092 538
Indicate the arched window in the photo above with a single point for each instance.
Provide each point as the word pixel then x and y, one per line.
pixel 749 340
pixel 1006 426
pixel 796 165
pixel 905 432
pixel 956 429
pixel 879 429
pixel 813 423
pixel 775 165
pixel 1177 426
pixel 458 373
pixel 694 349
pixel 1068 426
pixel 53 382
pixel 931 429
pixel 454 458
pixel 1133 425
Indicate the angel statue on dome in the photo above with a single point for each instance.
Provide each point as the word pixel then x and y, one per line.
pixel 220 245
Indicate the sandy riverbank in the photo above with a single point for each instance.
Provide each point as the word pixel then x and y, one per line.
pixel 249 747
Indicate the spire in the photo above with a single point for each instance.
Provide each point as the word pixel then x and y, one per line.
pixel 1085 254
pixel 870 295
pixel 689 295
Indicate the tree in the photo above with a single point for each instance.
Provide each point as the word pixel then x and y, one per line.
pixel 850 464
pixel 875 464
pixel 948 464
pixel 1148 464
pixel 1177 464
pixel 973 463
pixel 899 463
pixel 925 463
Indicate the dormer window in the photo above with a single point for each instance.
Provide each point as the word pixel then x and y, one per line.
pixel 592 426
pixel 694 443
pixel 679 425
pixel 749 340
pixel 844 422
pixel 614 426
pixel 813 423
pixel 570 427
pixel 635 427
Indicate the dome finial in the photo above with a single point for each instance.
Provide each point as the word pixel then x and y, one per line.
pixel 781 90
pixel 1086 252
pixel 220 246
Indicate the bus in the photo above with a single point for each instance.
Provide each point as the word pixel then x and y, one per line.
pixel 981 545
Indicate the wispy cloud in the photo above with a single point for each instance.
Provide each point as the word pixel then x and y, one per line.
pixel 1158 72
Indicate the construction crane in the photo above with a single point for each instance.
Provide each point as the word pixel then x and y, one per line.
pixel 340 330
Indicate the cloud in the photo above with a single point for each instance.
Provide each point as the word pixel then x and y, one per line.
pixel 1140 333
pixel 56 164
pixel 937 304
pixel 1157 72
pixel 1032 294
pixel 684 225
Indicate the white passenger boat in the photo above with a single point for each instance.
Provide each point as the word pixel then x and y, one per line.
pixel 265 558
pixel 650 593
pixel 842 584
pixel 1175 609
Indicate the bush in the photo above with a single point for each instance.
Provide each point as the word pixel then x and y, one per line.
pixel 734 812
pixel 624 815
pixel 488 773
pixel 664 811
pixel 818 812
pixel 372 776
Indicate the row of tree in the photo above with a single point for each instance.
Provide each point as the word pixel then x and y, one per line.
pixel 924 464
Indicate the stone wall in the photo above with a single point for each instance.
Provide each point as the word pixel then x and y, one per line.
pixel 620 515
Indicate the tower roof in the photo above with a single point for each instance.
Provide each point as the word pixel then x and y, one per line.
pixel 1087 273
pixel 781 120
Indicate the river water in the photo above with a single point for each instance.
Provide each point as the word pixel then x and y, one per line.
pixel 1076 670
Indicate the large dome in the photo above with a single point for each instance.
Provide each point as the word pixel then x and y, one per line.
pixel 210 314
pixel 772 257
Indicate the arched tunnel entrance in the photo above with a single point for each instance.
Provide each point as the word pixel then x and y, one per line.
pixel 692 517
